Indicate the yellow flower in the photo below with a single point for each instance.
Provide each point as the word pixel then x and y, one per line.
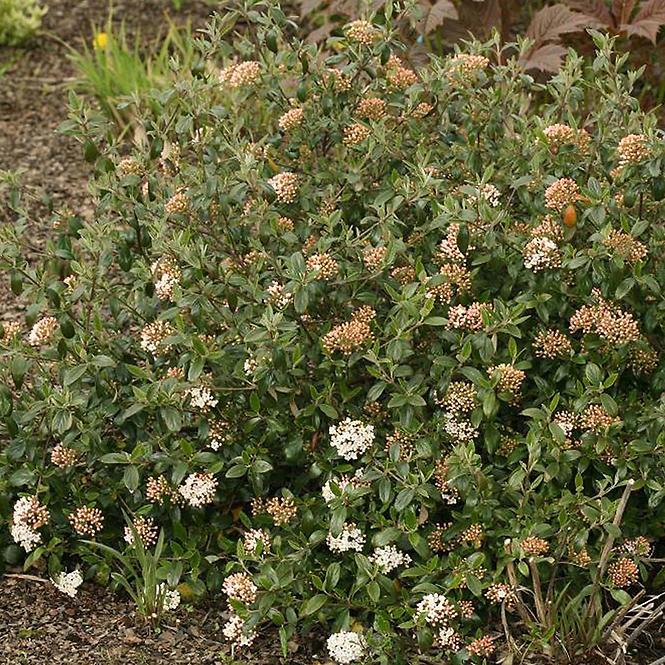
pixel 101 40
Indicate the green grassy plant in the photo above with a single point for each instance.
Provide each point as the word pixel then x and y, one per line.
pixel 118 70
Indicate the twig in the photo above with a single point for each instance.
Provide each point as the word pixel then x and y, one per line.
pixel 509 638
pixel 598 652
pixel 660 661
pixel 538 594
pixel 620 615
pixel 512 577
pixel 642 610
pixel 649 620
pixel 607 548
pixel 31 578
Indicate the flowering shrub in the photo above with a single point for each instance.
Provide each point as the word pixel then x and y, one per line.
pixel 19 19
pixel 377 348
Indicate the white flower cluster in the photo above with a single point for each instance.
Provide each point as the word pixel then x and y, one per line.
pixel 25 521
pixel 234 632
pixel 540 254
pixel 68 583
pixel 26 537
pixel 166 275
pixel 42 330
pixel 351 438
pixel 201 398
pixel 350 538
pixel 278 296
pixel 388 558
pixel 240 587
pixel 460 431
pixel 199 489
pixel 487 192
pixel 346 646
pixel 170 597
pixel 436 609
pixel 342 482
pixel 250 365
pixel 448 638
pixel 252 539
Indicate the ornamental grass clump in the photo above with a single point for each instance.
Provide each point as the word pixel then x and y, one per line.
pixel 335 369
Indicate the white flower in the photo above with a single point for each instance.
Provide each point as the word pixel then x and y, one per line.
pixel 351 438
pixel 252 539
pixel 250 366
pixel 26 537
pixel 487 192
pixel 42 330
pixel 199 489
pixel 233 631
pixel 343 482
pixel 541 253
pixel 490 193
pixel 350 538
pixel 436 609
pixel 170 597
pixel 278 296
pixel 346 646
pixel 68 583
pixel 388 558
pixel 27 517
pixel 201 398
pixel 461 431
pixel 22 508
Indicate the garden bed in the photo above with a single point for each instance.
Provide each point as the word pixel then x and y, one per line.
pixel 100 628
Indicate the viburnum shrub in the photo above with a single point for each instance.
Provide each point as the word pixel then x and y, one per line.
pixel 378 348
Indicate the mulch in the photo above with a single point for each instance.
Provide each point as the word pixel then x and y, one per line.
pixel 98 627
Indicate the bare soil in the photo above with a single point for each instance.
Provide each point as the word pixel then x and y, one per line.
pixel 39 624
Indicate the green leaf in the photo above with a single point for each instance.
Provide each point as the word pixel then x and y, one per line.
pixel 621 596
pixel 624 288
pixel 473 585
pixel 374 591
pixel 131 478
pixel 313 604
pixel 73 374
pixel 329 410
pixel 172 418
pixel 376 391
pixel 489 403
pixel 22 477
pixel 115 458
pixel 301 300
pixel 236 471
pixel 62 421
pixel 387 535
pixel 104 361
pixel 261 466
pixel 474 375
pixel 404 499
